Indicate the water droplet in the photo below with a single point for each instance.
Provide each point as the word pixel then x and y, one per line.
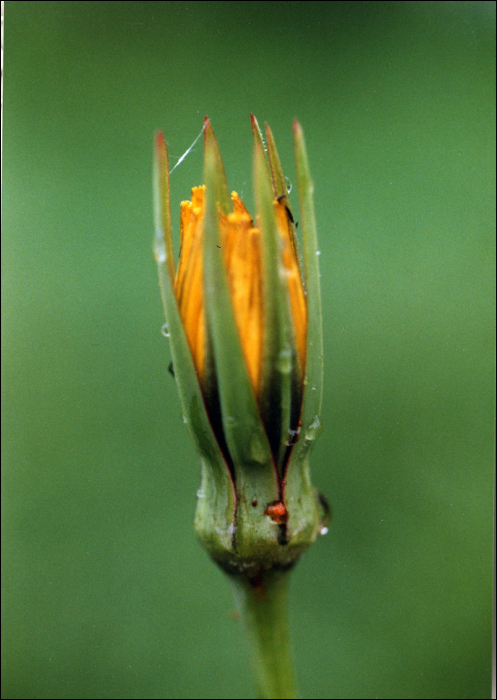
pixel 159 247
pixel 288 184
pixel 292 436
pixel 200 493
pixel 230 530
pixel 185 419
pixel 284 361
pixel 323 531
pixel 314 429
pixel 165 331
pixel 318 252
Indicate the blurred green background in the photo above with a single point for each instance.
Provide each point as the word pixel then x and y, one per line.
pixel 106 592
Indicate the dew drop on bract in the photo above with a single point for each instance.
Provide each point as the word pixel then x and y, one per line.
pixel 292 437
pixel 159 247
pixel 314 429
pixel 165 331
pixel 288 184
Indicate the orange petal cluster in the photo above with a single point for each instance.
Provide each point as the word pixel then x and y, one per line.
pixel 242 255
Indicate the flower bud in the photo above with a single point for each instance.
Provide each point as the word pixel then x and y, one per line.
pixel 246 340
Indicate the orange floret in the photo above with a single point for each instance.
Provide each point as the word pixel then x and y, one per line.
pixel 242 254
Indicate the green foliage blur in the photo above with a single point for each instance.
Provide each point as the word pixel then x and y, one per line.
pixel 106 592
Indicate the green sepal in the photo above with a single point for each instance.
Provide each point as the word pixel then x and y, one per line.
pixel 254 471
pixel 305 511
pixel 280 361
pixel 313 380
pixel 280 185
pixel 222 194
pixel 214 468
pixel 162 204
pixel 277 175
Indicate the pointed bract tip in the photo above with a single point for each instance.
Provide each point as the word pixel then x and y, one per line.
pixel 269 133
pixel 160 145
pixel 208 130
pixel 256 132
pixel 296 126
pixel 209 136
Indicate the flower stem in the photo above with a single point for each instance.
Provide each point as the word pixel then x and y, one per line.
pixel 262 604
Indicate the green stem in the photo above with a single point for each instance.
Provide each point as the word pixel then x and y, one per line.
pixel 262 604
